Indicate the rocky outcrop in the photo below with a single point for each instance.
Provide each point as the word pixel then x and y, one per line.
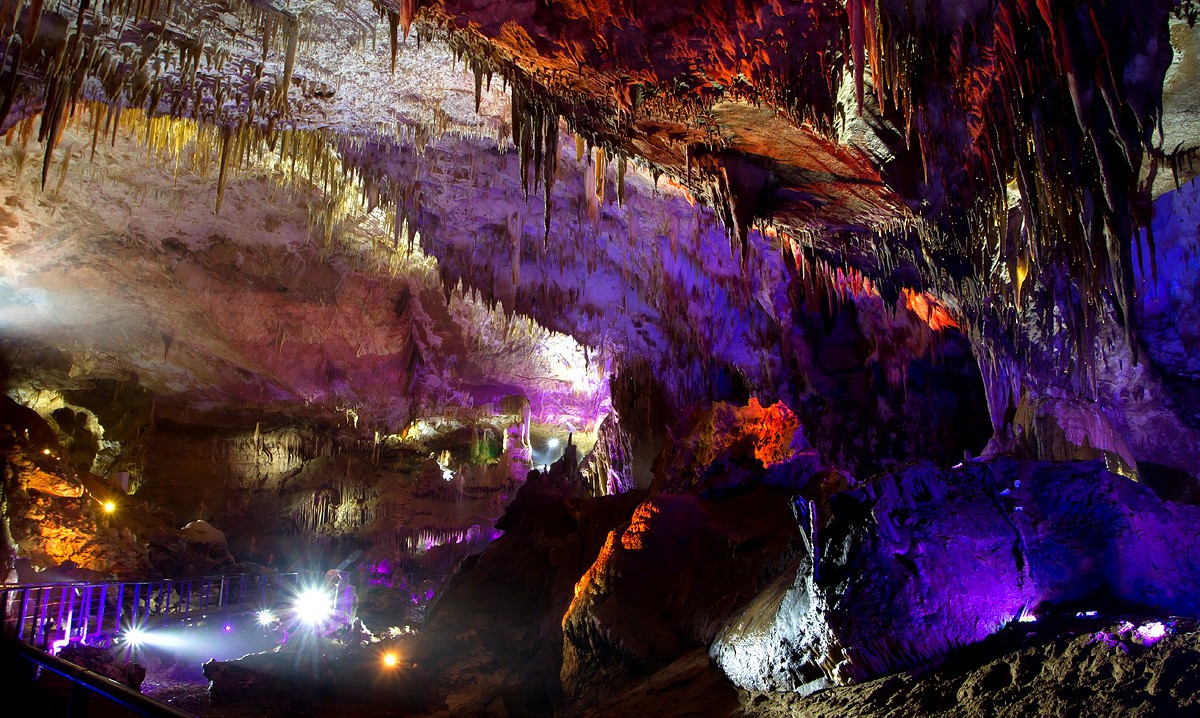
pixel 320 676
pixel 53 512
pixel 921 561
pixel 715 530
pixel 717 433
pixel 108 663
pixel 608 468
pixel 722 446
pixel 494 638
pixel 664 583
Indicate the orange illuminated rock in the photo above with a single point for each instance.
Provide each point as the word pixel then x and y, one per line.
pixel 760 437
pixel 43 482
pixel 929 309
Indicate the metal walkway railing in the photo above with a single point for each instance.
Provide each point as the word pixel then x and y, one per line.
pixel 50 615
pixel 41 618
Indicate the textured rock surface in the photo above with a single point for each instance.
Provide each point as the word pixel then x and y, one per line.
pixel 52 512
pixel 1094 669
pixel 494 639
pixel 663 584
pixel 921 561
pixel 108 663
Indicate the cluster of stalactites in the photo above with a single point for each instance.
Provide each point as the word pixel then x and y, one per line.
pixel 287 448
pixel 535 133
pixel 308 161
pixel 1034 98
pixel 417 540
pixel 167 72
pixel 345 503
pixel 204 119
pixel 400 20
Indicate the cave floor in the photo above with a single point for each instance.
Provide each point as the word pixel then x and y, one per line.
pixel 1064 666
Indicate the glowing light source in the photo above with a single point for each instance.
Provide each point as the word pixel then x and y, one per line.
pixel 390 660
pixel 229 628
pixel 552 443
pixel 313 606
pixel 265 617
pixel 109 507
pixel 135 637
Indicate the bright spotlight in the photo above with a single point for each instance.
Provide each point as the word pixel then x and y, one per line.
pixel 390 660
pixel 313 606
pixel 552 443
pixel 265 617
pixel 135 637
pixel 109 507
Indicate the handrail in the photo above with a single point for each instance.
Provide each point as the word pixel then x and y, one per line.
pixel 82 678
pixel 116 581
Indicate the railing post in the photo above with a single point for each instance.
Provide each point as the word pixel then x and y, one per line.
pixel 100 606
pixel 120 605
pixel 86 611
pixel 161 604
pixel 146 619
pixel 24 615
pixel 169 587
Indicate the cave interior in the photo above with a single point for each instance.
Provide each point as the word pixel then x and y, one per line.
pixel 796 358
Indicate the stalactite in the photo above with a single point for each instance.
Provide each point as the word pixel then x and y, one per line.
pixel 289 65
pixel 394 35
pixel 221 177
pixel 621 178
pixel 16 50
pixel 601 167
pixel 550 167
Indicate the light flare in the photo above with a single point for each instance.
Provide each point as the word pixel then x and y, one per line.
pixel 313 605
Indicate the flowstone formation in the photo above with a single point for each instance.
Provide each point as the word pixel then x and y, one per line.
pixel 637 359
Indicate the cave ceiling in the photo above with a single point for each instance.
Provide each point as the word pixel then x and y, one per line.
pixel 385 211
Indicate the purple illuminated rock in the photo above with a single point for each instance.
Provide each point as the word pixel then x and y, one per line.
pixel 921 561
